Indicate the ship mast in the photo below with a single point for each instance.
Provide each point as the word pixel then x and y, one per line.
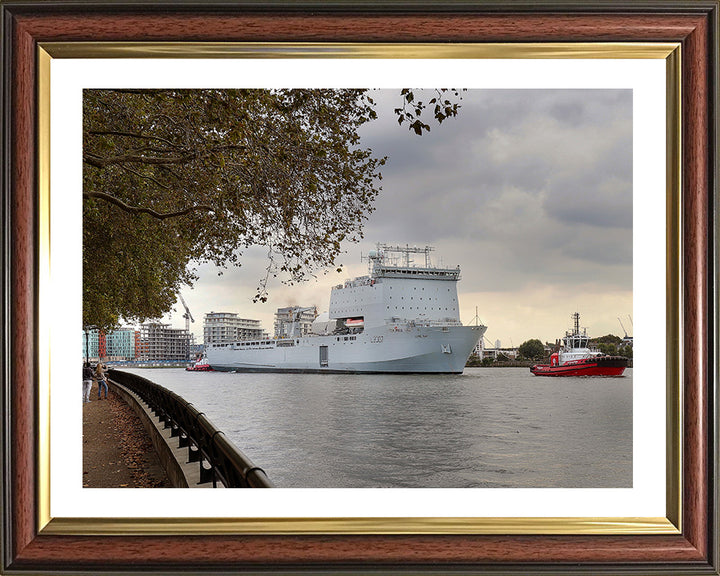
pixel 404 252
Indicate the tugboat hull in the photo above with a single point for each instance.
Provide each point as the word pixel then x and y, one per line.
pixel 200 368
pixel 597 366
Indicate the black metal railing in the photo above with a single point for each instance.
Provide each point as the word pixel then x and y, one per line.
pixel 219 459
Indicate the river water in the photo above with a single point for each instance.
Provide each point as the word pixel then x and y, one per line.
pixel 489 427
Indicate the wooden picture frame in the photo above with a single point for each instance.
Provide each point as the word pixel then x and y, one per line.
pixel 30 547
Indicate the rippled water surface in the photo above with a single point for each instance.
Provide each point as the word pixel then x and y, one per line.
pixel 489 427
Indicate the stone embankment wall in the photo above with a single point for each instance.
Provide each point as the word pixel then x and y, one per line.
pixel 172 457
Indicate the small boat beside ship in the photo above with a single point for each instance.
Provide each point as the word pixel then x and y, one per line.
pixel 200 365
pixel 576 358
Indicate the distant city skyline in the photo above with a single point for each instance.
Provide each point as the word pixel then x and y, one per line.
pixel 529 191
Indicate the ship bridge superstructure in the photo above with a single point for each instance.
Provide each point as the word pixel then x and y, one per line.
pixel 577 337
pixel 398 262
pixel 577 343
pixel 402 287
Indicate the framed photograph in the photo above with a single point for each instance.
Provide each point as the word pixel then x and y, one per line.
pixel 658 66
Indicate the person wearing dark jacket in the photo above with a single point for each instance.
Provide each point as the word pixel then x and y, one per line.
pixel 87 381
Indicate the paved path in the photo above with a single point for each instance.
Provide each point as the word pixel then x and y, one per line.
pixel 117 452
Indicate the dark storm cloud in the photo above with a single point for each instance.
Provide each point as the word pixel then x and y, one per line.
pixel 536 182
pixel 607 204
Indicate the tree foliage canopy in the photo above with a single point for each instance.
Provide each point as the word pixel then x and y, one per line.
pixel 626 351
pixel 532 349
pixel 607 348
pixel 607 339
pixel 174 178
pixel 444 103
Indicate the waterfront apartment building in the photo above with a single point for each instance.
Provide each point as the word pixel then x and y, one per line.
pixel 221 327
pixel 117 345
pixel 284 318
pixel 161 343
pixel 121 344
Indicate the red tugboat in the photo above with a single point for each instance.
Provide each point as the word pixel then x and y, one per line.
pixel 200 365
pixel 576 359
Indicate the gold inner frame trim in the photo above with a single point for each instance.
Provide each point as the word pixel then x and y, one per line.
pixel 609 50
pixel 674 311
pixel 356 525
pixel 44 298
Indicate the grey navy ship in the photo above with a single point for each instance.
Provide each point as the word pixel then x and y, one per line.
pixel 400 318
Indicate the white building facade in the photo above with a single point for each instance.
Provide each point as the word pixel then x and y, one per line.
pixel 219 327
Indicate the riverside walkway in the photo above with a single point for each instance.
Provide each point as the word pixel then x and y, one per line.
pixel 117 451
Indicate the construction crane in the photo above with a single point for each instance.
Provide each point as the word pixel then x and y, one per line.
pixel 188 317
pixel 627 339
pixel 623 327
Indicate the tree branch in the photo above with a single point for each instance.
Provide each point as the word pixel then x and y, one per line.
pixel 144 177
pixel 131 135
pixel 139 158
pixel 100 162
pixel 142 210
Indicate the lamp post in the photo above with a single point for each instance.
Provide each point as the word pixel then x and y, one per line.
pixel 87 346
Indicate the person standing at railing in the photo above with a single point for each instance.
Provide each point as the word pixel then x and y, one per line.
pixel 102 382
pixel 87 381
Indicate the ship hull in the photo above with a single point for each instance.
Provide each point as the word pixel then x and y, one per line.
pixel 598 366
pixel 386 350
pixel 200 368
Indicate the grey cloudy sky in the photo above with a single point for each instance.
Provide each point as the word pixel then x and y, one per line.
pixel 529 191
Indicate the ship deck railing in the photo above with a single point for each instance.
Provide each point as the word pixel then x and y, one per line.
pixel 419 273
pixel 443 323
